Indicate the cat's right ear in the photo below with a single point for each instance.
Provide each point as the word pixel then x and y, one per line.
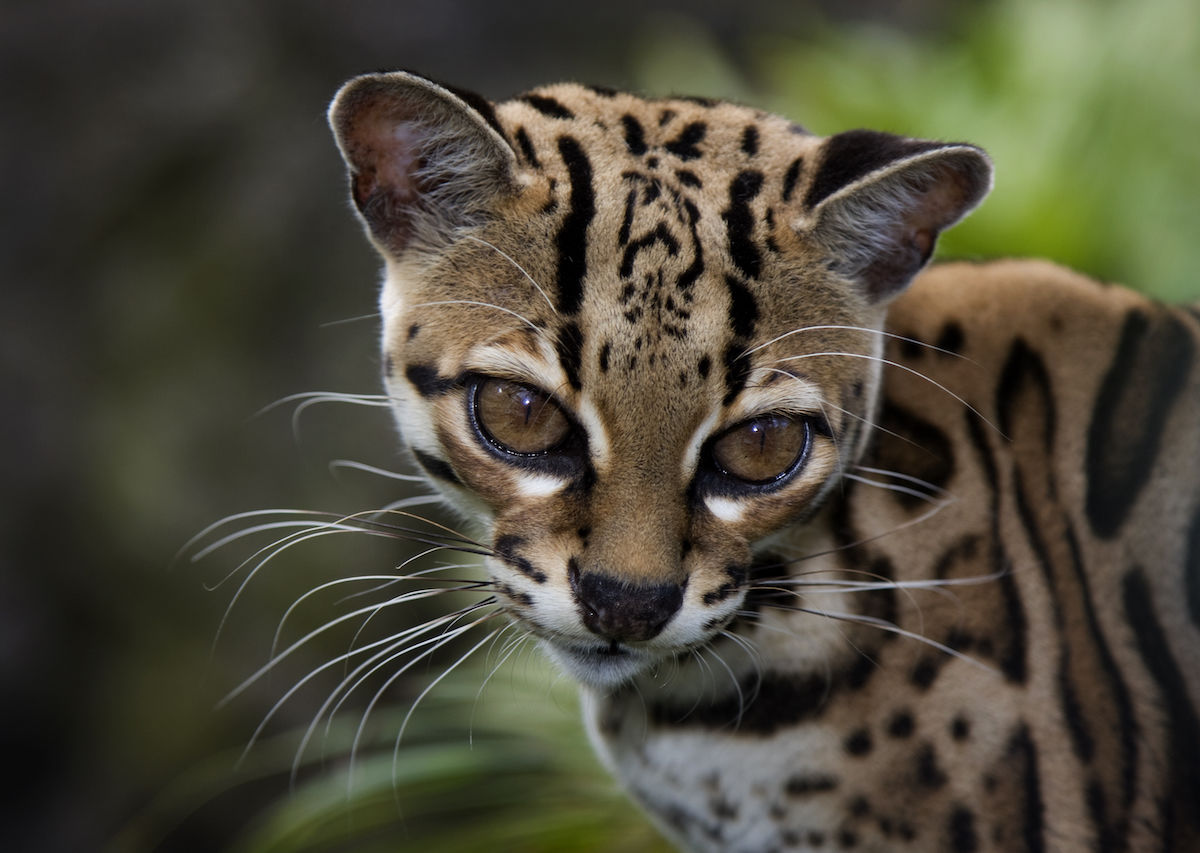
pixel 424 160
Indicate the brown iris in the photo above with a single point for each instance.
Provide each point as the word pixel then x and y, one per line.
pixel 761 449
pixel 519 418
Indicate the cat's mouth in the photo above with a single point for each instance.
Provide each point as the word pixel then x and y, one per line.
pixel 605 665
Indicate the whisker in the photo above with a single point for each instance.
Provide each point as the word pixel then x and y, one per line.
pixel 889 487
pixel 864 329
pixel 394 639
pixel 524 320
pixel 414 595
pixel 507 651
pixel 518 266
pixel 891 627
pixel 916 481
pixel 433 645
pixel 347 320
pixel 416 702
pixel 398 650
pixel 905 368
pixel 371 469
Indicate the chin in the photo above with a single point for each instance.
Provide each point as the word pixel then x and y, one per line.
pixel 604 667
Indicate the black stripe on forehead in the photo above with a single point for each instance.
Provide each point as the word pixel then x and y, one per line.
pixel 572 236
pixel 739 222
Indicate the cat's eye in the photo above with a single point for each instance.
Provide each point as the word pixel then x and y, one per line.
pixel 519 418
pixel 763 449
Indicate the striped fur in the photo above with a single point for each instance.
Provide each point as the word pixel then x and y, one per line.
pixel 965 618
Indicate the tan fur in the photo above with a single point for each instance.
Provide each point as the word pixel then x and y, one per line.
pixel 967 619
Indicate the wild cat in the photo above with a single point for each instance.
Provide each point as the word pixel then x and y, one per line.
pixel 843 554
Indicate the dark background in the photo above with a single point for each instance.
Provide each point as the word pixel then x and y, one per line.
pixel 176 253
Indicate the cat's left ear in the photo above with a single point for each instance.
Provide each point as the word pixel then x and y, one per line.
pixel 424 159
pixel 877 202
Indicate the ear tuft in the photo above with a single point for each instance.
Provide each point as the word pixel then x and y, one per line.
pixel 878 203
pixel 423 159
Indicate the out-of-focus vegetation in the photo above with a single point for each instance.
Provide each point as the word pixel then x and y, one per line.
pixel 176 244
pixel 1087 108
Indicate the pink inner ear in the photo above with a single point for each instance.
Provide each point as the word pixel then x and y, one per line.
pixel 386 155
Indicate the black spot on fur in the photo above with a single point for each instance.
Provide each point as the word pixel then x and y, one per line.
pixel 856 153
pixel 659 236
pixel 737 371
pixel 743 309
pixel 522 598
pixel 1146 376
pixel 688 178
pixel 804 785
pixel 1023 378
pixel 739 222
pixel 960 728
pixel 961 830
pixel 426 380
pixel 547 106
pixel 604 353
pixel 951 338
pixel 924 673
pixel 858 743
pixel 527 148
pixel 684 146
pixel 572 236
pixel 505 548
pixel 901 724
pixel 704 366
pixel 790 177
pixel 635 135
pixel 779 702
pixel 436 467
pixel 750 140
pixel 928 773
pixel 569 345
pixel 736 578
pixel 413 330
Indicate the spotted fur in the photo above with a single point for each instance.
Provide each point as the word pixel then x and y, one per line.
pixel 966 619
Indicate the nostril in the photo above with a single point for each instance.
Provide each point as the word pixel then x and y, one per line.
pixel 618 610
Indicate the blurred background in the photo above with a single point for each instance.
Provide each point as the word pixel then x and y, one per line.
pixel 177 253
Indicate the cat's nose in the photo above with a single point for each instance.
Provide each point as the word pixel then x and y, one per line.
pixel 618 610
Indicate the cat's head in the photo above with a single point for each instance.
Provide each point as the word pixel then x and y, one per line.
pixel 634 337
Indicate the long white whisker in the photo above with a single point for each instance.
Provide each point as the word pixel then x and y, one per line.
pixel 395 638
pixel 890 487
pixel 863 329
pixel 891 627
pixel 524 320
pixel 347 320
pixel 916 481
pixel 371 469
pixel 518 266
pixel 905 368
pixel 923 517
pixel 404 725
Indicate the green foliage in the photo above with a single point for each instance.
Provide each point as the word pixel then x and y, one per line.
pixel 1088 109
pixel 505 771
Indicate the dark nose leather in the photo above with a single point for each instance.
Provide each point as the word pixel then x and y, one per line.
pixel 618 610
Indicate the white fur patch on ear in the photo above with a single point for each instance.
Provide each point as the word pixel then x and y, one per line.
pixel 878 203
pixel 422 159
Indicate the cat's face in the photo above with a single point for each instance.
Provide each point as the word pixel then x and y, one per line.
pixel 633 338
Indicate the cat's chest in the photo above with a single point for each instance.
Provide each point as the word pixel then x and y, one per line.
pixel 855 758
